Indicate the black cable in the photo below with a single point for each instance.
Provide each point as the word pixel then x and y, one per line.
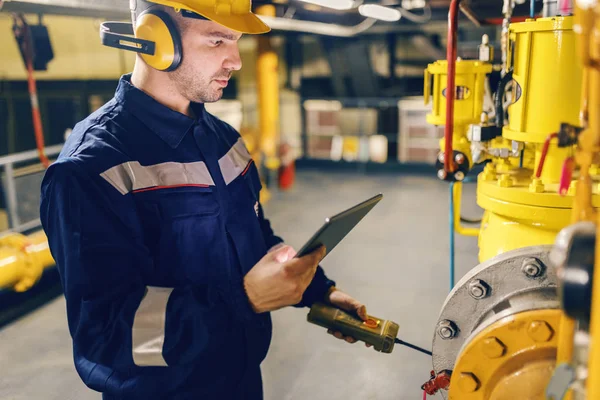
pixel 500 96
pixel 412 346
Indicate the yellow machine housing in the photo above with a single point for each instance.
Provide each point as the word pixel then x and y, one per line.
pixel 514 357
pixel 547 78
pixel 468 106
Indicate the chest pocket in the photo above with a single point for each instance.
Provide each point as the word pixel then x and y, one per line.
pixel 186 235
pixel 244 222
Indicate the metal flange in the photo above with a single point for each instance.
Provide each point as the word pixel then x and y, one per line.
pixel 512 287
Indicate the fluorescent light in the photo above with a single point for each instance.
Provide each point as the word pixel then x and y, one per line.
pixel 379 12
pixel 335 4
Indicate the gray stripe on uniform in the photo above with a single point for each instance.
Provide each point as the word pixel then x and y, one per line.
pixel 234 162
pixel 131 176
pixel 148 331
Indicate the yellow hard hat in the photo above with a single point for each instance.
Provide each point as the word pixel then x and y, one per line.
pixel 233 14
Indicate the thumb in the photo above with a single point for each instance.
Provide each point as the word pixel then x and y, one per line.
pixel 348 303
pixel 306 264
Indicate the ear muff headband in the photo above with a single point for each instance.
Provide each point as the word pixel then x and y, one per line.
pixel 156 39
pixel 120 35
pixel 156 26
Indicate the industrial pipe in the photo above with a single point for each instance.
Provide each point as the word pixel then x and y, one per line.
pixel 449 165
pixel 507 10
pixel 550 8
pixel 23 36
pixel 457 199
pixel 23 260
pixel 267 84
pixel 317 28
pixel 117 9
pixel 587 17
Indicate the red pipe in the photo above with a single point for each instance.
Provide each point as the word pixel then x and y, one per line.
pixel 449 165
pixel 566 176
pixel 26 45
pixel 540 167
pixel 37 118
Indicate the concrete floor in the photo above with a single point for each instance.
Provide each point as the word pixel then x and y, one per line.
pixel 396 261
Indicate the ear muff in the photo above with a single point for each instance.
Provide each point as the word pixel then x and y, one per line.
pixel 157 27
pixel 155 39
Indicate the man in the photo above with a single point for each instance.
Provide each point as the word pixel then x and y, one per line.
pixel 168 264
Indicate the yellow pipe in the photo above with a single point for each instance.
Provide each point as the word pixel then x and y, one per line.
pixel 268 94
pixel 582 205
pixel 457 196
pixel 590 23
pixel 23 260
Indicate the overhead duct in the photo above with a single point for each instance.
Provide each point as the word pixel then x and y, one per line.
pixel 110 9
pixel 317 28
pixel 119 9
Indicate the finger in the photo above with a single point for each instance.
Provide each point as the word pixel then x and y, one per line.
pixel 338 335
pixel 277 247
pixel 284 253
pixel 348 303
pixel 368 345
pixel 350 340
pixel 362 312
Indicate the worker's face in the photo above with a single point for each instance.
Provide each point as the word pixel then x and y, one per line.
pixel 210 55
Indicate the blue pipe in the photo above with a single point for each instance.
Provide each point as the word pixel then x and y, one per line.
pixel 451 235
pixel 521 159
pixel 532 9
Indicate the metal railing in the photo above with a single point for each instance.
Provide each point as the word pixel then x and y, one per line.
pixel 7 163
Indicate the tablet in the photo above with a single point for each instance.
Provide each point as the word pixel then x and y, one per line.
pixel 337 227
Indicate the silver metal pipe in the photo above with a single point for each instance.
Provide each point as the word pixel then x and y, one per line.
pixel 29 155
pixel 11 196
pixel 550 8
pixel 119 9
pixel 27 226
pixel 111 9
pixel 318 28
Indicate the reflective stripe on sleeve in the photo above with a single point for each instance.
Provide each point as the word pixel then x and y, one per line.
pixel 148 331
pixel 235 162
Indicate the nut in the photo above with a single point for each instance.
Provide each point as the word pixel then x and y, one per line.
pixel 478 289
pixel 468 382
pixel 506 181
pixel 493 347
pixel 441 157
pixel 460 158
pixel 447 329
pixel 537 186
pixel 459 176
pixel 540 331
pixel 441 174
pixel 533 268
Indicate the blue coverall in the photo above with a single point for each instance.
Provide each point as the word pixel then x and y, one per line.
pixel 153 219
